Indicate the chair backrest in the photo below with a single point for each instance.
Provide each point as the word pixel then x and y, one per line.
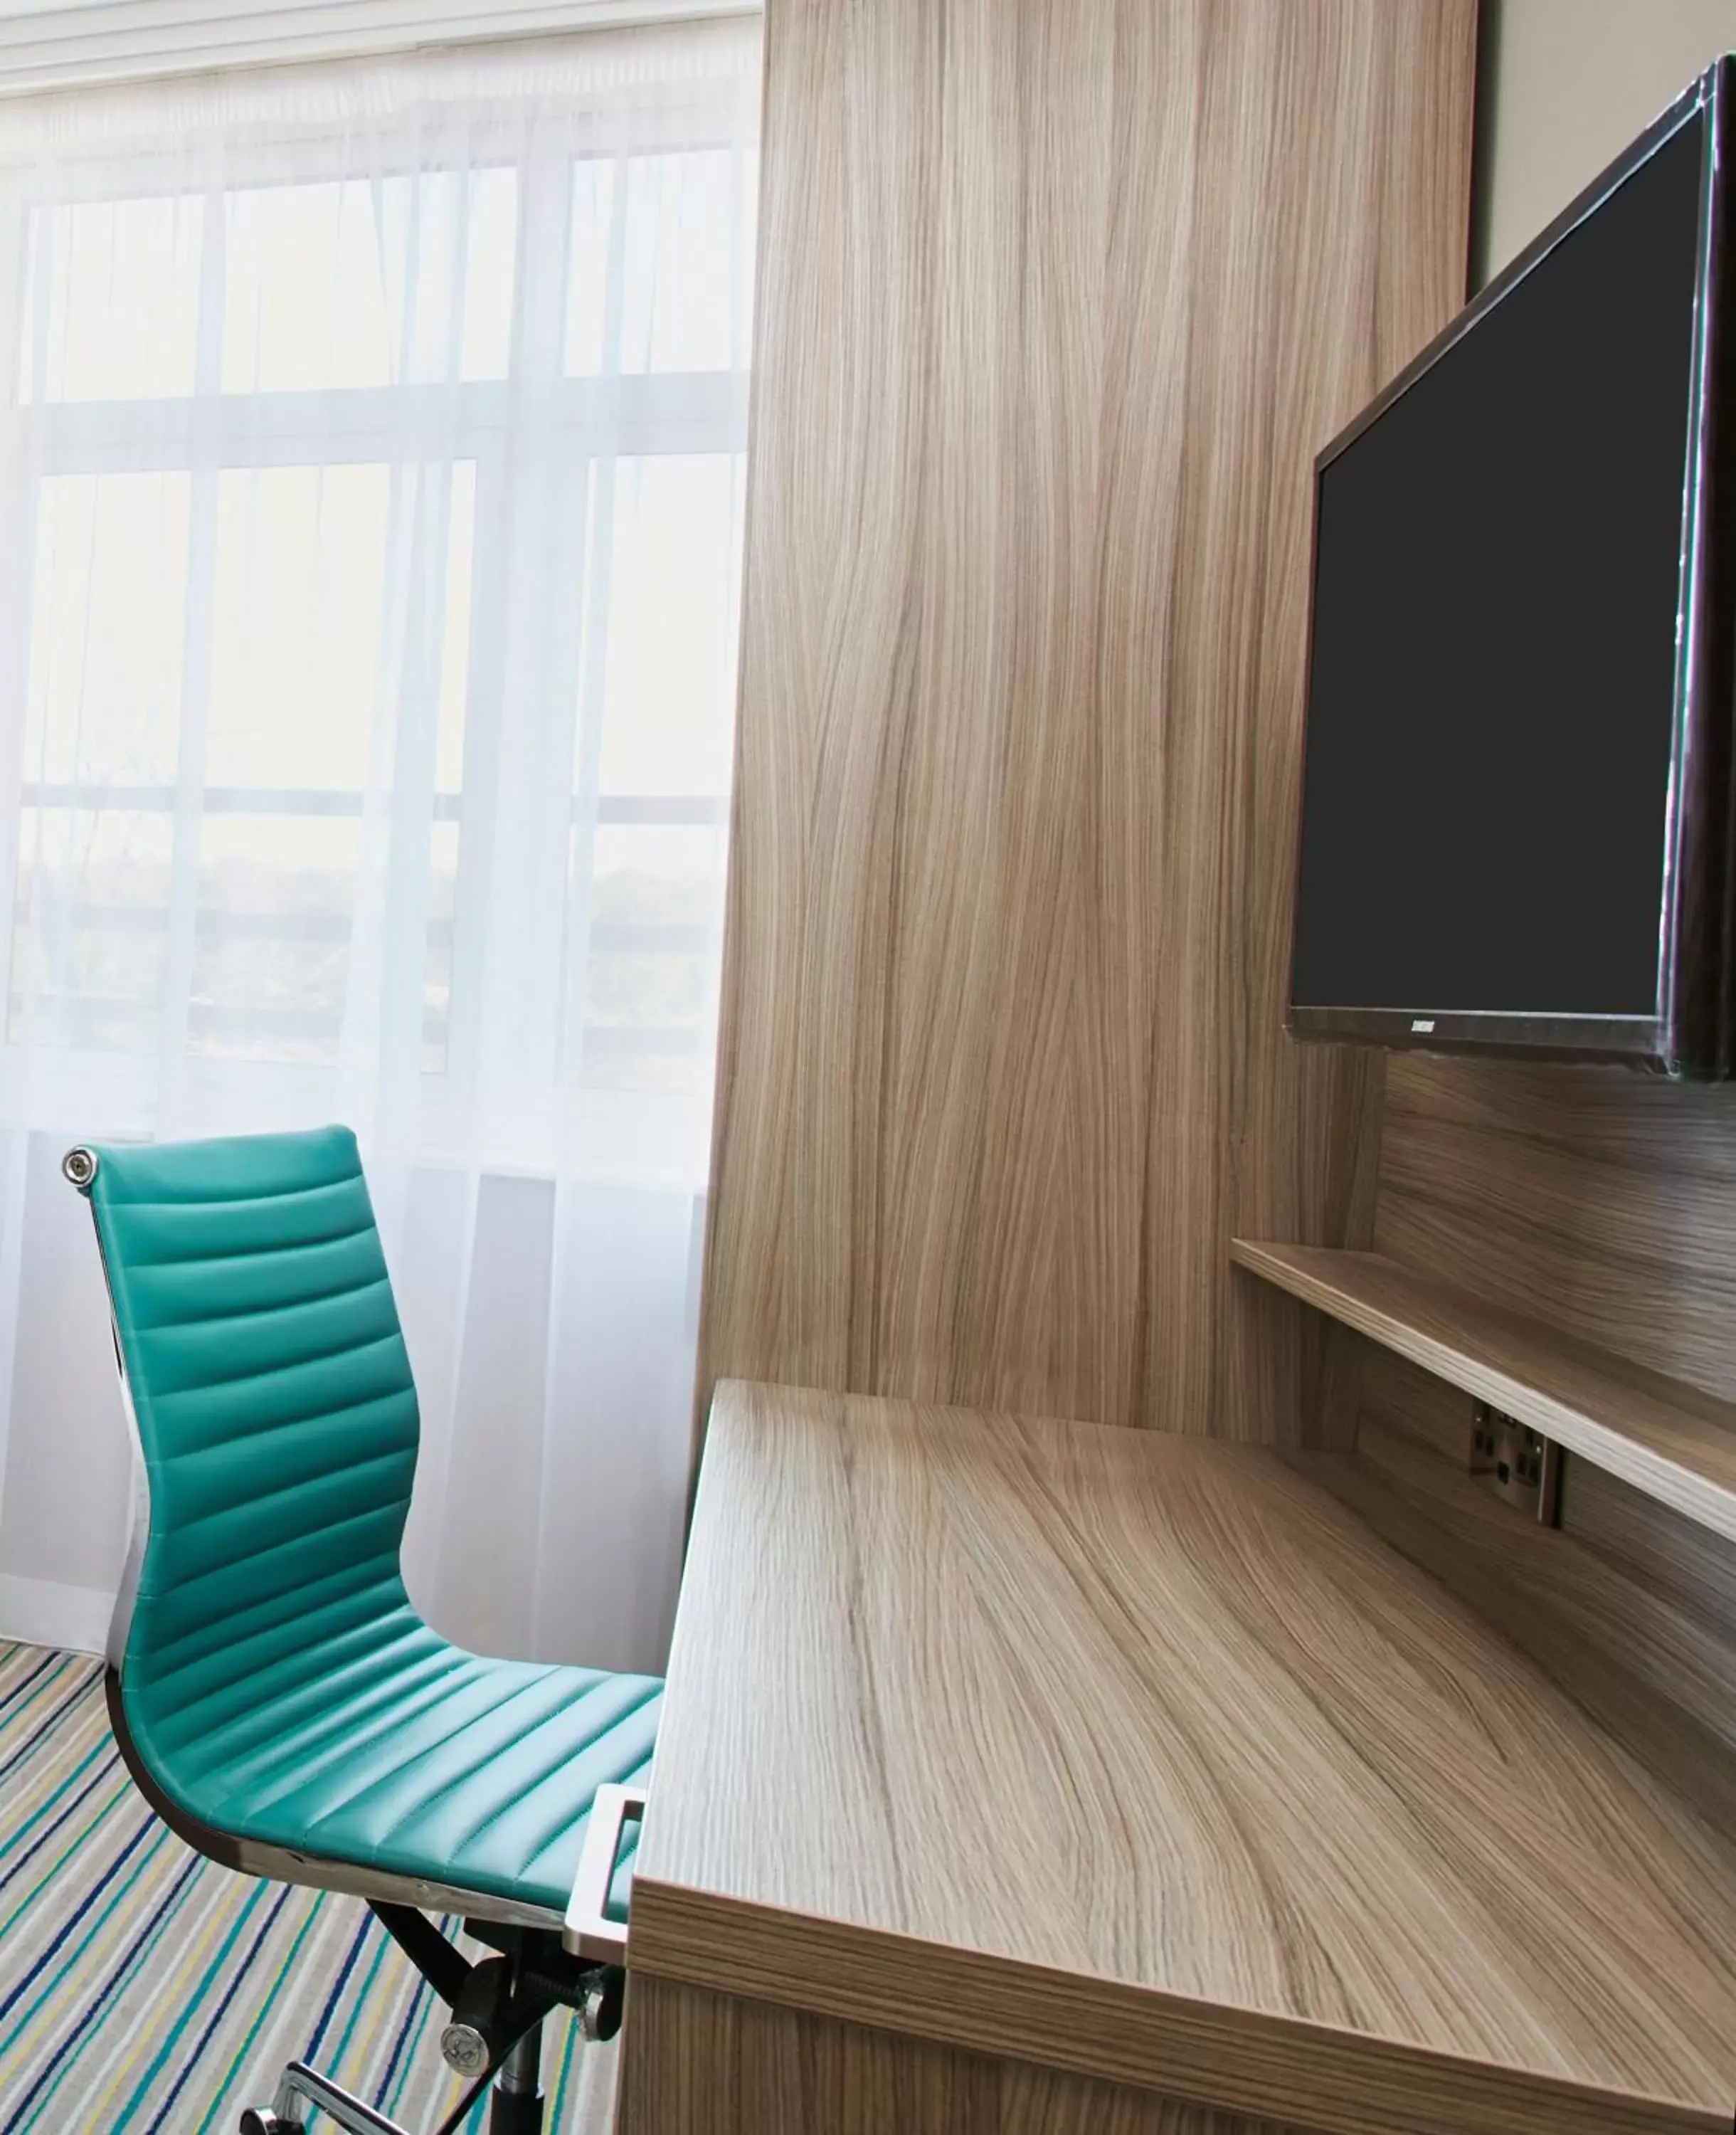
pixel 275 1412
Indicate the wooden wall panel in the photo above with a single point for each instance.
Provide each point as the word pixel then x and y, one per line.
pixel 1627 1606
pixel 697 2063
pixel 1602 1202
pixel 1058 299
pixel 1598 1200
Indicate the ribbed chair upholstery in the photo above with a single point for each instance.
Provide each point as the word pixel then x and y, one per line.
pixel 274 1690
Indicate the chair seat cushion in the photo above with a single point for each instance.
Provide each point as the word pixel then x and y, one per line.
pixel 373 1742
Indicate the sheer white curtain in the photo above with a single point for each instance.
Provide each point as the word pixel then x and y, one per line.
pixel 370 500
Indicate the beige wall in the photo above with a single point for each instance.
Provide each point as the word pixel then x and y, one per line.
pixel 1567 85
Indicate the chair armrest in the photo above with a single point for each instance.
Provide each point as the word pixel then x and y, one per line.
pixel 589 1931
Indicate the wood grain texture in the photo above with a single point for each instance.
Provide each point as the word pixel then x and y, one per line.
pixel 1058 299
pixel 697 2063
pixel 1693 1567
pixel 1665 1438
pixel 1642 1653
pixel 1650 1547
pixel 1141 1758
pixel 1599 1200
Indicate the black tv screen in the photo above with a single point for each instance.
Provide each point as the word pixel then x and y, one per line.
pixel 1514 786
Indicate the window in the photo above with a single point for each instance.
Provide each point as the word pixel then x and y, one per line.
pixel 378 508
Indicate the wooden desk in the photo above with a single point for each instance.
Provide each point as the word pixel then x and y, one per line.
pixel 1022 1775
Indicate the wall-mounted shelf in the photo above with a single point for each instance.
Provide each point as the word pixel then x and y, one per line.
pixel 1668 1439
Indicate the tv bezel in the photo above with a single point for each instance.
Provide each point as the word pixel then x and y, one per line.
pixel 1689 1031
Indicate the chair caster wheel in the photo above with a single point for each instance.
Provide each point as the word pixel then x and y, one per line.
pixel 600 2018
pixel 259 2120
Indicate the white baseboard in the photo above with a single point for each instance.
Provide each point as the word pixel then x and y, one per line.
pixel 41 1612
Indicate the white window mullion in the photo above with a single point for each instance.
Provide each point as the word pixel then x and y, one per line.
pixel 196 643
pixel 483 682
pixel 383 995
pixel 599 437
pixel 19 478
pixel 597 575
pixel 40 235
pixel 521 823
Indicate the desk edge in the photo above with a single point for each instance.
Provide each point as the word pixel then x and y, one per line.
pixel 1272 2067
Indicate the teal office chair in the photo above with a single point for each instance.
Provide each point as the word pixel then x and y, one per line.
pixel 276 1698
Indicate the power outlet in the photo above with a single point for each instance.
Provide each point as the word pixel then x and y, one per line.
pixel 1520 1465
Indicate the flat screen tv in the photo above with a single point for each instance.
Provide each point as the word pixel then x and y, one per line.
pixel 1517 806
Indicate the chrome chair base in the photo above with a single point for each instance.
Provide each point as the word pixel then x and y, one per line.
pixel 498 2003
pixel 517 2108
pixel 299 2086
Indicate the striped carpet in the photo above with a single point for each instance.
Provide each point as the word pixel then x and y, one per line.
pixel 144 1989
